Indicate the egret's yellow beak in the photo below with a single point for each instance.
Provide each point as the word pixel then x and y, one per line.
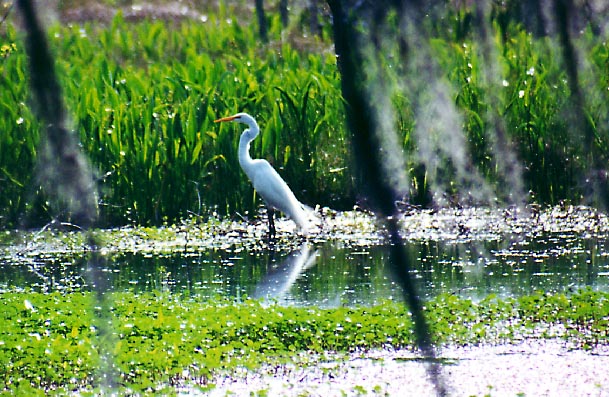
pixel 229 118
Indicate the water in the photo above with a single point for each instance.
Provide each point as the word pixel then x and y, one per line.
pixel 333 273
pixel 469 252
pixel 532 368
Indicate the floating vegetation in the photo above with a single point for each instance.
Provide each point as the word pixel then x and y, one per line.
pixel 168 339
pixel 47 341
pixel 353 228
pixel 535 368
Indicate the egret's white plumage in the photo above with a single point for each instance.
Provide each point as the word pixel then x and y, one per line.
pixel 267 182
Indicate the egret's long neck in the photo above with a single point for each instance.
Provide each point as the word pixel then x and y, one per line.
pixel 244 146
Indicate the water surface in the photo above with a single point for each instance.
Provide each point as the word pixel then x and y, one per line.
pixel 333 273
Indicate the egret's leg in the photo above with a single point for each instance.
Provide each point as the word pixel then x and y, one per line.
pixel 271 213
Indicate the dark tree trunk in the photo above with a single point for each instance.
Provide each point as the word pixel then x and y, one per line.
pixel 314 26
pixel 262 28
pixel 283 12
pixel 597 179
pixel 67 176
pixel 63 169
pixel 368 153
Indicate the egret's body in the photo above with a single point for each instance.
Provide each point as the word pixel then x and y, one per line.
pixel 267 182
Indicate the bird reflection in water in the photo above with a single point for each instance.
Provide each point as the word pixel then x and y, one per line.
pixel 275 285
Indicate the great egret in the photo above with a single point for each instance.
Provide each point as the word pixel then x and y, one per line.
pixel 267 182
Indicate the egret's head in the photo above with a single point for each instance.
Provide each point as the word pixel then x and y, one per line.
pixel 240 118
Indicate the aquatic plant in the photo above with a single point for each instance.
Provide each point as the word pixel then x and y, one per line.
pixel 142 97
pixel 157 153
pixel 47 341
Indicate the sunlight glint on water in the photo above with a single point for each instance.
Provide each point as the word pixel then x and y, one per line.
pixel 328 275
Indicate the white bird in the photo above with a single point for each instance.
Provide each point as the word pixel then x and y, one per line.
pixel 267 182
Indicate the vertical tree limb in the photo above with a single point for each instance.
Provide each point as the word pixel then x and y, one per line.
pixel 262 28
pixel 64 171
pixel 283 13
pixel 369 157
pixel 67 176
pixel 597 178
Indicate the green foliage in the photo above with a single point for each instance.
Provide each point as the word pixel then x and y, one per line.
pixel 535 106
pixel 143 97
pixel 18 131
pixel 536 101
pixel 155 135
pixel 47 341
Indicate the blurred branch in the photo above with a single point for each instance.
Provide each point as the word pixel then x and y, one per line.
pixel 65 172
pixel 597 178
pixel 262 28
pixel 362 122
pixel 63 169
pixel 7 13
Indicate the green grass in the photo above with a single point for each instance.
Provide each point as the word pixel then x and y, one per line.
pixel 156 136
pixel 143 97
pixel 48 343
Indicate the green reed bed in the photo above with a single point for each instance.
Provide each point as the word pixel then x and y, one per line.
pixel 143 98
pixel 528 92
pixel 48 343
pixel 158 101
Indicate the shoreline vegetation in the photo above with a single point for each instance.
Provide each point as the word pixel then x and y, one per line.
pixel 142 98
pixel 356 228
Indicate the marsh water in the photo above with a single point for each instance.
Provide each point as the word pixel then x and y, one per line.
pixel 472 253
pixel 331 273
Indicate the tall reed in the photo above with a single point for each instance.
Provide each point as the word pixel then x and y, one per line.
pixel 143 98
